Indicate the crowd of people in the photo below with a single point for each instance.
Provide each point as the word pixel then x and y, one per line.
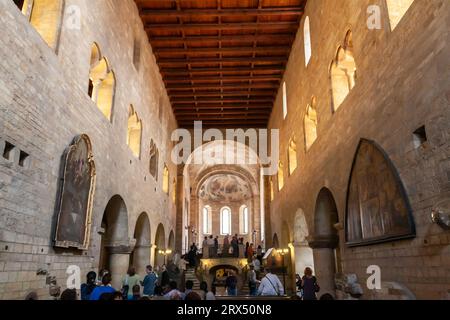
pixel 153 286
pixel 211 247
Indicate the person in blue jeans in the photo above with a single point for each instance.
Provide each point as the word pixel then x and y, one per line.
pixel 231 284
pixel 149 282
pixel 104 288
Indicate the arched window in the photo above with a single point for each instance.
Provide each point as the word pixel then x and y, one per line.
pixel 292 156
pixel 307 40
pixel 225 221
pixel 165 186
pixel 102 82
pixel 207 220
pixel 174 191
pixel 272 191
pixel 45 16
pixel 134 132
pixel 343 72
pixel 280 176
pixel 396 10
pixel 154 159
pixel 243 220
pixel 285 101
pixel 311 124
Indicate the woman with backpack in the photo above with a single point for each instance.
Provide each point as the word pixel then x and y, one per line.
pixel 309 285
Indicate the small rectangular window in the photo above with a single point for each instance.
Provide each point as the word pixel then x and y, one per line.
pixel 23 159
pixel 420 137
pixel 8 150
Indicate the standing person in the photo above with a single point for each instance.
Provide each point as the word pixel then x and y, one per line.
pixel 182 264
pixel 208 295
pixel 298 284
pixel 226 245
pixel 235 246
pixel 231 284
pixel 192 255
pixel 250 252
pixel 89 286
pixel 257 264
pixel 104 288
pixel 136 293
pixel 189 285
pixel 310 285
pixel 216 246
pixel 205 246
pixel 149 282
pixel 164 279
pixel 210 243
pixel 252 281
pixel 270 285
pixel 128 283
pixel 259 253
pixel 174 293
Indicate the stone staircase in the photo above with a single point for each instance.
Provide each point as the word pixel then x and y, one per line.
pixel 190 275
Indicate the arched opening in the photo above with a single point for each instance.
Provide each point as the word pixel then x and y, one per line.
pixel 207 220
pixel 102 82
pixel 326 240
pixel 160 244
pixel 141 255
pixel 396 10
pixel 307 41
pixel 225 221
pixel 45 16
pixel 285 101
pixel 171 245
pixel 212 179
pixel 311 123
pixel 165 186
pixel 115 244
pixel 292 156
pixel 134 134
pixel 280 176
pixel 244 220
pixel 343 72
pixel 275 241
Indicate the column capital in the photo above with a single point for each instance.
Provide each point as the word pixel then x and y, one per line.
pixel 122 247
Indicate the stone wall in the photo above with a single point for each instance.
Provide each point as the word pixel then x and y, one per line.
pixel 43 105
pixel 402 84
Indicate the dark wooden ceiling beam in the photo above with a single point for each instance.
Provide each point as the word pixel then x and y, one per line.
pixel 203 86
pixel 288 37
pixel 184 61
pixel 186 13
pixel 267 93
pixel 221 78
pixel 225 106
pixel 184 72
pixel 224 26
pixel 176 51
pixel 176 102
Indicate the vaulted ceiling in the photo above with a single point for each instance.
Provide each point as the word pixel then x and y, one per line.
pixel 222 61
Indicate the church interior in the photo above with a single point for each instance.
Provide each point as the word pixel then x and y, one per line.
pixel 299 133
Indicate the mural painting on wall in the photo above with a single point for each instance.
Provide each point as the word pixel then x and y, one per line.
pixel 76 195
pixel 225 187
pixel 378 209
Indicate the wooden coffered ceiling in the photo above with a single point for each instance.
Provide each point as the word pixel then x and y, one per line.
pixel 222 61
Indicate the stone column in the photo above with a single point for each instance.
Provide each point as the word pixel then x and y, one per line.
pixel 119 262
pixel 325 262
pixel 303 257
pixel 142 258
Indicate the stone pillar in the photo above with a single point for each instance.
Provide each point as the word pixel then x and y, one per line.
pixel 325 262
pixel 119 262
pixel 142 258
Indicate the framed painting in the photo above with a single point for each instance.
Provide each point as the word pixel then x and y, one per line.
pixel 377 208
pixel 76 195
